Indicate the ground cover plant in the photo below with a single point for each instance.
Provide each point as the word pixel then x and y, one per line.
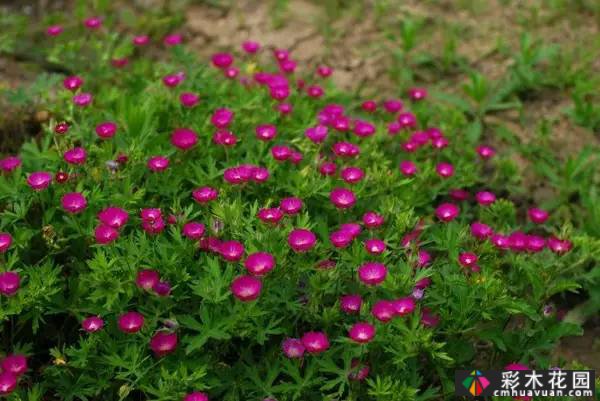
pixel 231 229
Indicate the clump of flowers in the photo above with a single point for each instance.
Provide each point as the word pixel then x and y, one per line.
pixel 231 230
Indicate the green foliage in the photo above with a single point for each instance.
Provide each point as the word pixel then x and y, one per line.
pixel 230 349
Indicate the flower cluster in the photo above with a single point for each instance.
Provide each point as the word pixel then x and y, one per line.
pixel 260 234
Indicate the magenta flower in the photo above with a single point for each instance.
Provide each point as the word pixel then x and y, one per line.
pixel 172 80
pixel 281 54
pixel 346 149
pixel 205 194
pixel 130 322
pixel 163 343
pixel 485 198
pixel 224 138
pixel 315 342
pixel 467 259
pixel 317 134
pixel 352 175
pixel 445 170
pixel 140 40
pixel 119 62
pixel 158 164
pixel 392 106
pixel 290 206
pixel 15 364
pixel 324 71
pixel 189 99
pixel 259 263
pixel 293 348
pixel 420 137
pixel 92 324
pixel 162 288
pixel 250 47
pixel 72 83
pixel 196 396
pixel 232 251
pixel 407 120
pixel 75 156
pixel 342 198
pixel 281 152
pixel 517 241
pixel 500 241
pixel 353 229
pixel 372 273
pixel 447 212
pixel 146 279
pixel 285 108
pixel 288 66
pixel 315 91
pixel 73 202
pixel 363 129
pixel 383 310
pixel 193 230
pixel 485 152
pixel 105 235
pixel 301 240
pixel 39 180
pixel 538 216
pixel 374 246
pixel 516 366
pixel 10 163
pixel 93 22
pixel 373 220
pixel 266 132
pixel 173 39
pixel 8 383
pixel 459 194
pixel 231 72
pixel 296 157
pixel 423 258
pixel 328 168
pixel 362 332
pixel 150 214
pixel 359 371
pixel 106 130
pixel 559 246
pixel 222 60
pixel 351 303
pixel 408 168
pixel 535 243
pixel 340 239
pixel 270 215
pixel 184 138
pixel 5 242
pixel 82 99
pixel 481 231
pixel 61 128
pixel 246 288
pixel 10 282
pixel 370 106
pixel 260 174
pixel 221 118
pixel 404 306
pixel 54 30
pixel 417 94
pixel 113 217
pixel 439 143
pixel 429 319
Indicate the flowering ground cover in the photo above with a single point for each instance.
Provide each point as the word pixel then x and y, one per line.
pixel 237 227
